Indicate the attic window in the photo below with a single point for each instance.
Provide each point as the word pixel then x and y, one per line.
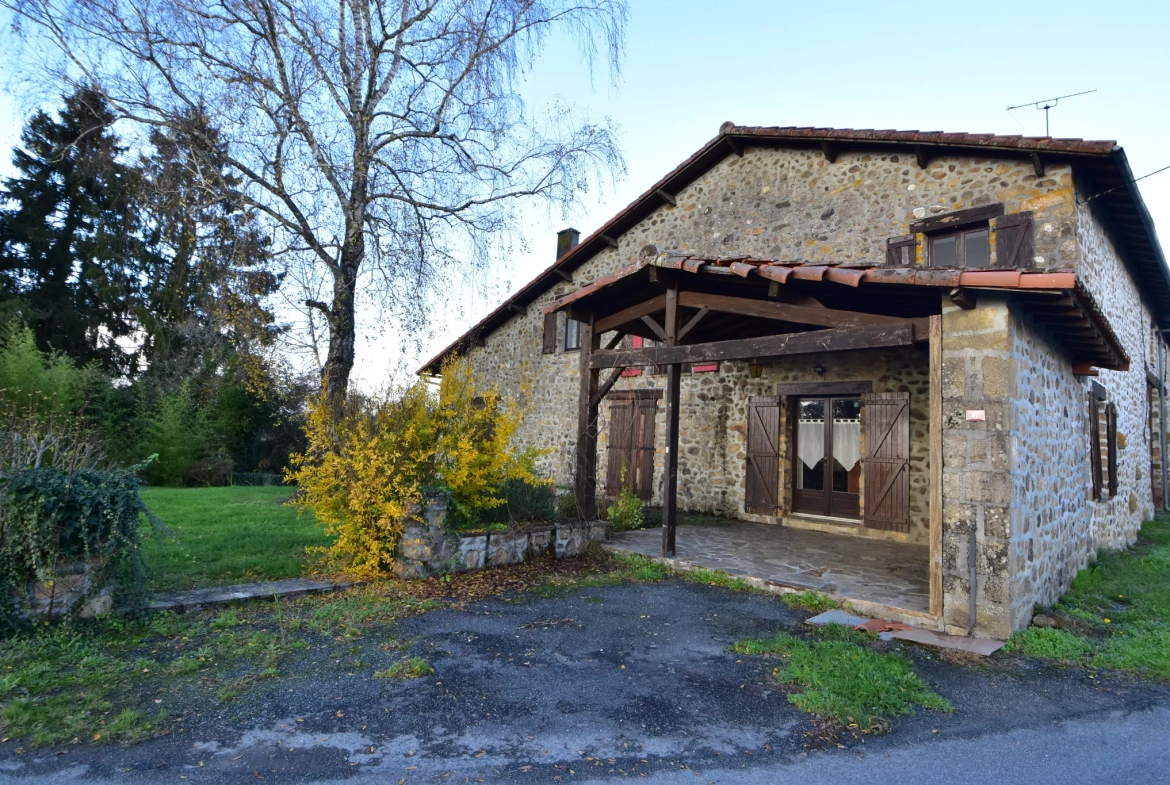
pixel 968 248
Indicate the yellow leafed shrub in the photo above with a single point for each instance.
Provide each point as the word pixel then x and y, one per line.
pixel 363 472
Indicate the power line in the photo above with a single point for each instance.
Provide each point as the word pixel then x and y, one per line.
pixel 1048 103
pixel 1114 188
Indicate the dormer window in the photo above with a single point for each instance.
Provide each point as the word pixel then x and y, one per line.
pixel 966 248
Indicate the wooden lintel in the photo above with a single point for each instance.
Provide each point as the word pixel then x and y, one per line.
pixel 830 149
pixel 668 198
pixel 825 388
pixel 1038 164
pixel 634 312
pixel 692 323
pixel 655 327
pixel 605 238
pixel 734 145
pixel 799 314
pixel 564 275
pixel 922 156
pixel 813 342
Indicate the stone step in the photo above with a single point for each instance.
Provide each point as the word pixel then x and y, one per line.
pixel 193 599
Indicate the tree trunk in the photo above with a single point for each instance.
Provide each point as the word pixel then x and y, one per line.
pixel 342 327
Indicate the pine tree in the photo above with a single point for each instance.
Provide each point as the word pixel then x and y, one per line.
pixel 69 256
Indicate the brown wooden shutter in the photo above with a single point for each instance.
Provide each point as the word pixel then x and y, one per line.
pixel 900 251
pixel 1095 445
pixel 887 461
pixel 763 456
pixel 1111 445
pixel 550 333
pixel 641 472
pixel 1013 240
pixel 621 436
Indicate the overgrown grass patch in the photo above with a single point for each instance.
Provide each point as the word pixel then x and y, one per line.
pixel 846 683
pixel 717 578
pixel 640 568
pixel 810 600
pixel 1116 614
pixel 410 668
pixel 218 536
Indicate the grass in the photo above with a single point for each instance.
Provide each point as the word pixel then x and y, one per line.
pixel 1116 615
pixel 410 668
pixel 717 578
pixel 226 535
pixel 810 600
pixel 844 682
pixel 122 679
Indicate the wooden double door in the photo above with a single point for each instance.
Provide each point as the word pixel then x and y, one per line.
pixel 630 461
pixel 838 446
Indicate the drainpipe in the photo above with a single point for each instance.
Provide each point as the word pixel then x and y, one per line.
pixel 1162 419
pixel 974 579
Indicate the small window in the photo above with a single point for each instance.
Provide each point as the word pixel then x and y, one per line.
pixel 572 335
pixel 969 248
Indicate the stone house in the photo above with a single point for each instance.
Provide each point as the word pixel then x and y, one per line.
pixel 948 342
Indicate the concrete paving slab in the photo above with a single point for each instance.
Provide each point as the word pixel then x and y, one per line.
pixel 222 595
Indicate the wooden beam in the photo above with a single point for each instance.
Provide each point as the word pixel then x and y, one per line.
pixel 692 323
pixel 830 149
pixel 935 437
pixel 734 145
pixel 668 198
pixel 633 313
pixel 964 298
pixel 673 386
pixel 614 341
pixel 585 479
pixel 564 275
pixel 1084 369
pixel 812 342
pixel 825 388
pixel 518 308
pixel 786 312
pixel 608 385
pixel 922 156
pixel 605 238
pixel 1037 164
pixel 655 327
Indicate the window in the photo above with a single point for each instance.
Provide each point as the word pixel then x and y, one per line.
pixel 1102 443
pixel 968 248
pixel 828 457
pixel 572 335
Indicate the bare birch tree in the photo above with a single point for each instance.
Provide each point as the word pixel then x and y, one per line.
pixel 379 138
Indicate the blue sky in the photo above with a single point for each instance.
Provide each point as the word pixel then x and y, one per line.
pixel 690 65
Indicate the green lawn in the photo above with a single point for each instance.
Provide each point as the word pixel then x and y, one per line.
pixel 1116 614
pixel 226 535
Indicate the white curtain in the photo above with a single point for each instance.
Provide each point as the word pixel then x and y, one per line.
pixel 846 443
pixel 810 442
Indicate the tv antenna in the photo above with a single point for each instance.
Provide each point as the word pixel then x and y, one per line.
pixel 1048 103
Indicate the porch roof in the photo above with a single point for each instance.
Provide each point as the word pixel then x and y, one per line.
pixel 738 287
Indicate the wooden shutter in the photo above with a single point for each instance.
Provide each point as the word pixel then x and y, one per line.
pixel 763 456
pixel 1095 445
pixel 1013 240
pixel 550 333
pixel 1111 445
pixel 901 251
pixel 887 461
pixel 641 472
pixel 621 433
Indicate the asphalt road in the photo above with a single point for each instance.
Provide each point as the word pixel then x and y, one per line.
pixel 617 682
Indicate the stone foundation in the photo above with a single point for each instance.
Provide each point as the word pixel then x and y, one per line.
pixel 428 548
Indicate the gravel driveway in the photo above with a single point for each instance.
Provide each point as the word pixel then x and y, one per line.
pixel 624 681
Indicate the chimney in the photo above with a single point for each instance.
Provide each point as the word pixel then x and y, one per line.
pixel 566 241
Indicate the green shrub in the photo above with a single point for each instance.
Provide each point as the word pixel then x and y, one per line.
pixel 53 518
pixel 29 375
pixel 523 502
pixel 625 514
pixel 176 430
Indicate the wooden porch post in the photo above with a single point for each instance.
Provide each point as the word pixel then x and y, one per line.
pixel 936 466
pixel 673 382
pixel 587 405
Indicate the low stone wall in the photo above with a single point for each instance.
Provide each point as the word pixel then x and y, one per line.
pixel 428 548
